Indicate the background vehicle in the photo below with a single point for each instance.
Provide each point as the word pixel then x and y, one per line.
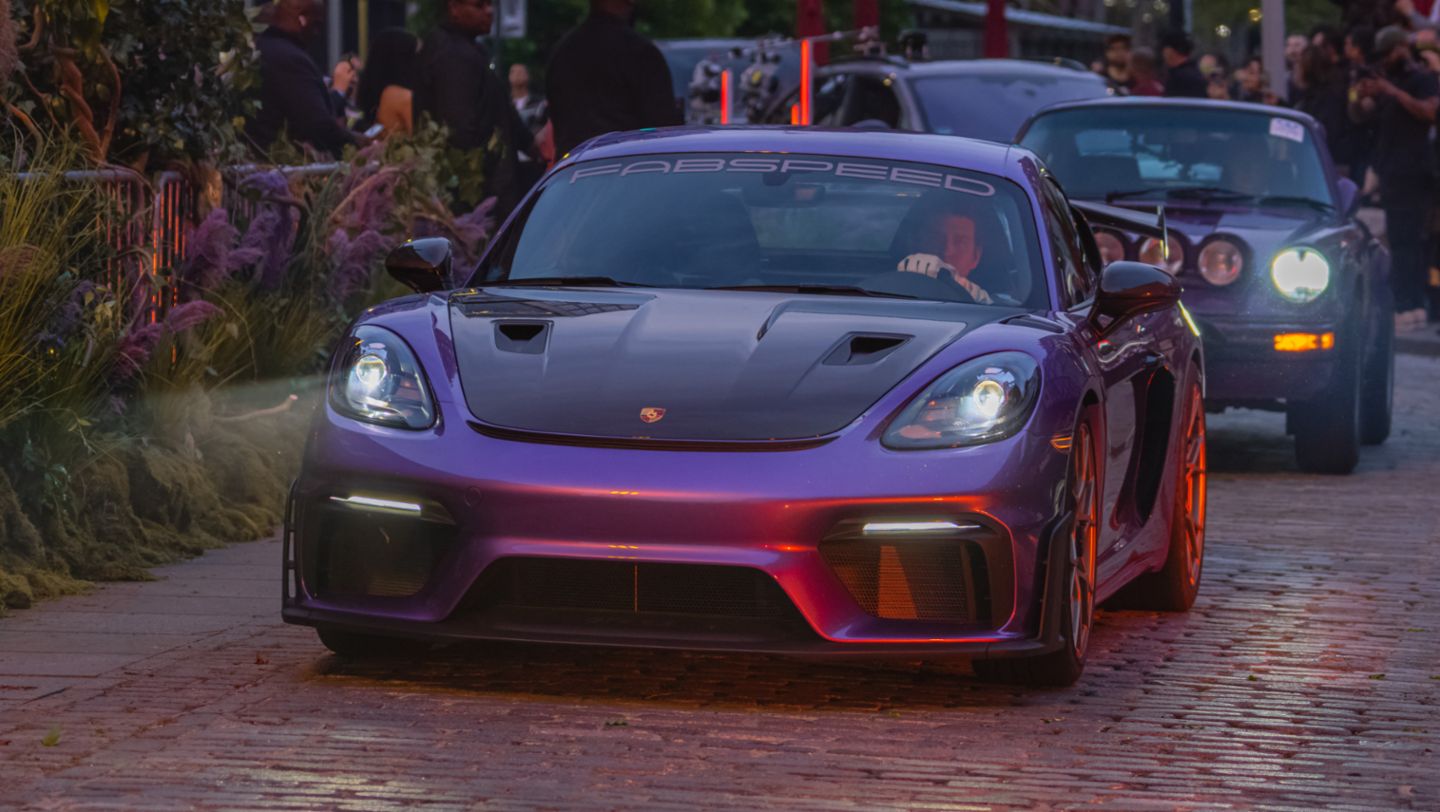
pixel 760 68
pixel 1291 291
pixel 976 98
pixel 689 399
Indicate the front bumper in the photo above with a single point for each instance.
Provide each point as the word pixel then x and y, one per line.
pixel 1244 368
pixel 488 506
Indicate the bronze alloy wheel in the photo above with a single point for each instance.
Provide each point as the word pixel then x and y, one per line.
pixel 1085 490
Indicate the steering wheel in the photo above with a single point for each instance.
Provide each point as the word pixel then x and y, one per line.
pixel 919 285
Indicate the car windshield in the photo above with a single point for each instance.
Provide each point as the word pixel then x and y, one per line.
pixel 801 223
pixel 992 107
pixel 1202 155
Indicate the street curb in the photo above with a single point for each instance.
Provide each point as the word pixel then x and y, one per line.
pixel 1416 345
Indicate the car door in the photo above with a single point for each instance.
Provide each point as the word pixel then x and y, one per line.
pixel 1123 355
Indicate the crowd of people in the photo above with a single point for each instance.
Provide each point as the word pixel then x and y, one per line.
pixel 602 76
pixel 1373 85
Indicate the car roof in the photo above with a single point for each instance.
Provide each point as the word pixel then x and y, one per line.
pixel 1022 68
pixel 944 150
pixel 1173 103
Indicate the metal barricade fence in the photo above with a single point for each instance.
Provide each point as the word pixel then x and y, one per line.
pixel 147 222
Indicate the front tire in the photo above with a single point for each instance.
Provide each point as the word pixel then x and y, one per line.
pixel 1061 668
pixel 354 646
pixel 1327 429
pixel 1377 396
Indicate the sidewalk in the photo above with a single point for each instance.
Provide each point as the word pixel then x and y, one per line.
pixel 65 643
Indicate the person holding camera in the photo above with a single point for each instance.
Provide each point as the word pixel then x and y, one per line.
pixel 1401 97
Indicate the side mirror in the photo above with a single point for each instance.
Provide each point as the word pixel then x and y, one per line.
pixel 1129 287
pixel 1349 196
pixel 422 265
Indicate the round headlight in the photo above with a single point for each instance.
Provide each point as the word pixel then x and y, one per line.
pixel 1300 274
pixel 1151 254
pixel 1220 262
pixel 1111 247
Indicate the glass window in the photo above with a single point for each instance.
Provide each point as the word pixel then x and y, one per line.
pixel 749 219
pixel 872 98
pixel 993 106
pixel 1077 277
pixel 1204 155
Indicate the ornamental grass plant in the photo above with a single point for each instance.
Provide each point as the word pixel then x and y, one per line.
pixel 159 411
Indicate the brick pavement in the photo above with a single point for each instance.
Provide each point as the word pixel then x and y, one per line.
pixel 1307 676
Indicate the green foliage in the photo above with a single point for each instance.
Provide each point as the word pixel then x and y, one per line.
pixel 1300 17
pixel 141 82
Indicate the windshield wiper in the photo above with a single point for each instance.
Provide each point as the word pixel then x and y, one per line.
pixel 564 281
pixel 1294 200
pixel 1111 196
pixel 823 290
pixel 1201 193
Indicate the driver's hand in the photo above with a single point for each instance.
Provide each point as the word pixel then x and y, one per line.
pixel 928 264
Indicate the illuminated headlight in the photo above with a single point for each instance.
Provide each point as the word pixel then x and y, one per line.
pixel 1151 253
pixel 1112 249
pixel 981 401
pixel 1300 274
pixel 379 381
pixel 1221 262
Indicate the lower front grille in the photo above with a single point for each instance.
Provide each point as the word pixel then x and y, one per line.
pixel 631 588
pixel 363 555
pixel 930 579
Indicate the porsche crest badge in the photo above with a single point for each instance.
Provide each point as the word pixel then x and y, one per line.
pixel 652 414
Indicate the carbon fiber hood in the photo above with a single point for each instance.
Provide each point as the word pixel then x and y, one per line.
pixel 690 365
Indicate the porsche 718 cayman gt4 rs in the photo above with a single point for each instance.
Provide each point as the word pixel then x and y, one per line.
pixel 801 391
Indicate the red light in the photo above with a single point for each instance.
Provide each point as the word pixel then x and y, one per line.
pixel 806 91
pixel 724 97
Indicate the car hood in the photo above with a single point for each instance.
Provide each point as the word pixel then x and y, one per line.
pixel 1263 229
pixel 688 364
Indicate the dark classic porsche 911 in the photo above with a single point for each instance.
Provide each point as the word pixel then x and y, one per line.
pixel 805 391
pixel 1291 291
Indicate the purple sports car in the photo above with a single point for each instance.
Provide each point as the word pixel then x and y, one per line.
pixel 1290 290
pixel 804 391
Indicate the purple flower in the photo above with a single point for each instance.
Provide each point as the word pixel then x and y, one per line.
pixel 189 316
pixel 352 260
pixel 135 348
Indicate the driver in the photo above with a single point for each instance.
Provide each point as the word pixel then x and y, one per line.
pixel 959 246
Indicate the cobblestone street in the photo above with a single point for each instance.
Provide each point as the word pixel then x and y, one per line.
pixel 1307 676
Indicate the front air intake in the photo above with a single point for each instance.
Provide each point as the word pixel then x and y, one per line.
pixel 368 555
pixel 929 579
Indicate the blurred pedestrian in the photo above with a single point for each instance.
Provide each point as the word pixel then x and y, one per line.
pixel 386 94
pixel 534 114
pixel 293 97
pixel 1145 74
pixel 1182 75
pixel 456 87
pixel 605 77
pixel 533 110
pixel 1324 94
pixel 1360 136
pixel 1402 97
pixel 1116 66
pixel 1294 47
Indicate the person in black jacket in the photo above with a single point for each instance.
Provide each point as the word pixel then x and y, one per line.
pixel 1182 75
pixel 605 77
pixel 456 87
pixel 293 96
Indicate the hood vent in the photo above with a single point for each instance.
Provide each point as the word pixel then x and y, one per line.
pixel 528 337
pixel 864 348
